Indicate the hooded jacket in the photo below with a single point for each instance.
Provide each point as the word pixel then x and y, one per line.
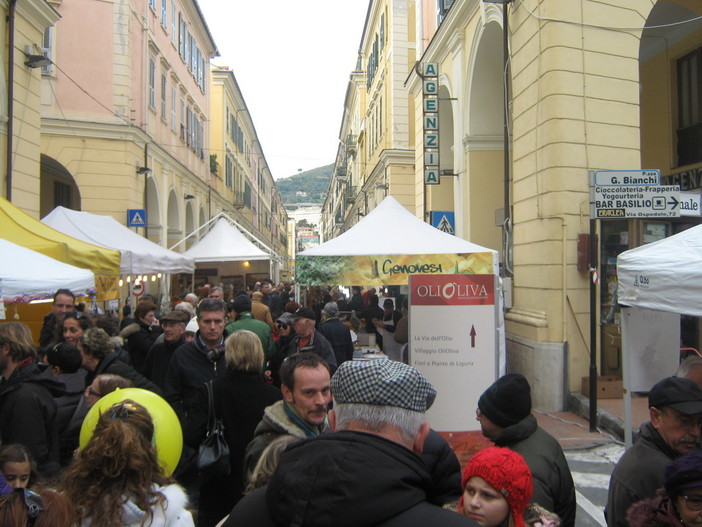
pixel 28 415
pixel 139 337
pixel 345 479
pixel 553 483
pixel 171 513
pixel 638 474
pixel 278 419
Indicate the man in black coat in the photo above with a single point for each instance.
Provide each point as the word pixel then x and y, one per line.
pixel 336 332
pixel 159 356
pixel 367 471
pixel 194 363
pixel 27 407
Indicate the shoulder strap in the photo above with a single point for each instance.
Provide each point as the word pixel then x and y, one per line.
pixel 211 416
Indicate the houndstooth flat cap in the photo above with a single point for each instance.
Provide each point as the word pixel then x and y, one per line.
pixel 382 382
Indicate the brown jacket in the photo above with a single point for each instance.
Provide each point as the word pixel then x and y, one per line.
pixel 261 312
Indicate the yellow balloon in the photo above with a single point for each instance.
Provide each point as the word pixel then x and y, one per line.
pixel 168 435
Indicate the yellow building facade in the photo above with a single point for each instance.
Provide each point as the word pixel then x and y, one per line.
pixel 20 92
pixel 590 86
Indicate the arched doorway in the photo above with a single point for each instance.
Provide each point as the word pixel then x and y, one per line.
pixel 482 185
pixel 175 232
pixel 57 187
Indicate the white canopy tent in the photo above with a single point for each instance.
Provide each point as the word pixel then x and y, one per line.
pixel 139 255
pixel 656 283
pixel 27 275
pixel 387 246
pixel 225 243
pixel 391 229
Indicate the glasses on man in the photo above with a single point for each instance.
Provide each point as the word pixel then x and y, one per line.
pixel 694 502
pixel 282 326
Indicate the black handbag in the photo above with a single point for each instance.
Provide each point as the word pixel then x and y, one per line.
pixel 213 453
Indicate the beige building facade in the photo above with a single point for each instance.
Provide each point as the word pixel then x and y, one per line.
pixel 114 114
pixel 590 86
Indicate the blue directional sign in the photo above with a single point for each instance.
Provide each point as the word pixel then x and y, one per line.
pixel 136 217
pixel 444 220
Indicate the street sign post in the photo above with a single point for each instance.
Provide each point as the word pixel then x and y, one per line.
pixel 617 202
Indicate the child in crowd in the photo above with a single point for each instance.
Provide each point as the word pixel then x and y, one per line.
pixel 18 467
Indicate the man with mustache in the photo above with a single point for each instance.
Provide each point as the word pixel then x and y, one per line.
pixel 305 382
pixel 675 409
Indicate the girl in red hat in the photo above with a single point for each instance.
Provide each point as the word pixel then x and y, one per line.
pixel 497 488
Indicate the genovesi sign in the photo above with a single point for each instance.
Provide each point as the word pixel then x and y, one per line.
pixel 462 290
pixel 388 269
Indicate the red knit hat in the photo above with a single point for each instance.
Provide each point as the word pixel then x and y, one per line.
pixel 505 471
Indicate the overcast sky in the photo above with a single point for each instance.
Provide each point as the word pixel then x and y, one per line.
pixel 292 60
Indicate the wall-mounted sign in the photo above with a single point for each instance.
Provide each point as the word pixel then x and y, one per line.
pixel 430 92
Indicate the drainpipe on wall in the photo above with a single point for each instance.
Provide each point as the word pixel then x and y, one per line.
pixel 10 95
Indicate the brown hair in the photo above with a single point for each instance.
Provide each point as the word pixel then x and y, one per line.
pixel 118 463
pixel 18 336
pixel 110 382
pixel 17 453
pixel 143 308
pixel 58 511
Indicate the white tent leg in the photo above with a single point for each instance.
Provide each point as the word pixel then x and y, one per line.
pixel 626 376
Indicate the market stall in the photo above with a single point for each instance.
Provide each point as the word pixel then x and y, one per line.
pixel 456 327
pixel 386 247
pixel 225 255
pixel 138 254
pixel 27 275
pixel 656 283
pixel 26 231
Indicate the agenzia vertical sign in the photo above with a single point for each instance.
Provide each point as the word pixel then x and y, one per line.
pixel 454 343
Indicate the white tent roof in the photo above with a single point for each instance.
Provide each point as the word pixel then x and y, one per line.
pixel 139 255
pixel 225 243
pixel 31 275
pixel 664 275
pixel 392 229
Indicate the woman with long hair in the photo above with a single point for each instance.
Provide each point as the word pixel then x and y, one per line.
pixel 239 400
pixel 116 480
pixel 40 508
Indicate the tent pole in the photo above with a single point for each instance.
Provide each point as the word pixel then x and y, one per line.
pixel 196 231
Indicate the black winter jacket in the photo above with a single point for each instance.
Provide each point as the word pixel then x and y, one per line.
pixel 111 364
pixel 553 483
pixel 318 344
pixel 345 479
pixel 188 370
pixel 67 406
pixel 158 360
pixel 240 399
pixel 339 336
pixel 139 338
pixel 638 474
pixel 28 415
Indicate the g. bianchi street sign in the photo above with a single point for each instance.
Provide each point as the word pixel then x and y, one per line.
pixel 632 194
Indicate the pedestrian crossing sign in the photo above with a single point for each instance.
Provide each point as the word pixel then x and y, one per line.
pixel 444 220
pixel 136 217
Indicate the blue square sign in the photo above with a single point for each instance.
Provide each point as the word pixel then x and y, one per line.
pixel 136 217
pixel 444 220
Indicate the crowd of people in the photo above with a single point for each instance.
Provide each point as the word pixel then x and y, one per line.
pixel 314 437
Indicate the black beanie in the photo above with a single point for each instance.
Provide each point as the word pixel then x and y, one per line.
pixel 507 401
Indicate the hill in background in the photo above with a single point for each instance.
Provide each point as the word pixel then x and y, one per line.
pixel 310 186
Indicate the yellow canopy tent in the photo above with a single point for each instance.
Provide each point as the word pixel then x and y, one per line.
pixel 20 228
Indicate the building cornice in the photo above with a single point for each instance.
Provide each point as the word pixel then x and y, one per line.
pixel 38 12
pixel 483 142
